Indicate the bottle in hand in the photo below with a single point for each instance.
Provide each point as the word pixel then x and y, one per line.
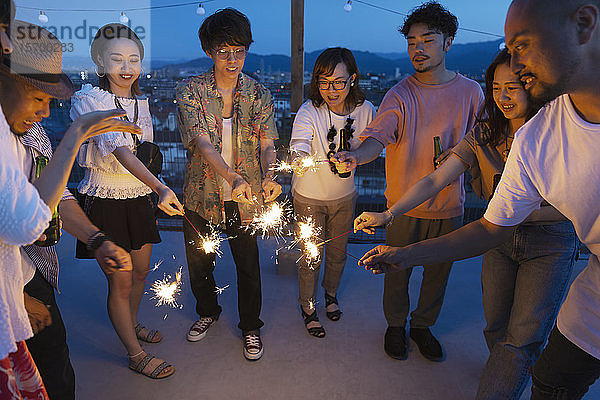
pixel 437 151
pixel 52 233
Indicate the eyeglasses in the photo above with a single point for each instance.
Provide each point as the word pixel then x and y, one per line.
pixel 223 54
pixel 337 84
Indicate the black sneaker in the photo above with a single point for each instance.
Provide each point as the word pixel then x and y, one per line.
pixel 253 348
pixel 427 343
pixel 395 342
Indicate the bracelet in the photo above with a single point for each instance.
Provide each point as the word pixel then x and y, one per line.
pixel 96 240
pixel 391 218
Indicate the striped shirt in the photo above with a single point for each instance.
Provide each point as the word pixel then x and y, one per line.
pixel 45 259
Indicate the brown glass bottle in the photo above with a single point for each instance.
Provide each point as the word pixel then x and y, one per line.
pixel 52 233
pixel 437 151
pixel 344 146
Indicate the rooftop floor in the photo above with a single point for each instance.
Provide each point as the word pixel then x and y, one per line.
pixel 349 363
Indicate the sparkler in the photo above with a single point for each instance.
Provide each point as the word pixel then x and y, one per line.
pixel 157 265
pixel 220 290
pixel 271 220
pixel 211 242
pixel 165 290
pixel 307 231
pixel 301 166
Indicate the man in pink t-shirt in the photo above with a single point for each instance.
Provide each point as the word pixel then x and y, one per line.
pixel 432 102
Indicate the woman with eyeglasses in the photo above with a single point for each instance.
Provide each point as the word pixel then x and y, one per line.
pixel 525 278
pixel 331 120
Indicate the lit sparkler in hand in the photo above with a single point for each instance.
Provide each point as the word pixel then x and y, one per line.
pixel 307 233
pixel 271 220
pixel 211 242
pixel 299 166
pixel 165 290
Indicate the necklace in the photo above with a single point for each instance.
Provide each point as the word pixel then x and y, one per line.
pixel 136 114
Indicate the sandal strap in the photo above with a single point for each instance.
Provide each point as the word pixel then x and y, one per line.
pixel 143 363
pixel 317 331
pixel 309 317
pixel 150 336
pixel 138 328
pixel 329 300
pixel 159 369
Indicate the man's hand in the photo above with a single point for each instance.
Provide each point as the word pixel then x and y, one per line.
pixel 39 316
pixel 367 220
pixel 271 189
pixel 97 122
pixel 345 161
pixel 168 202
pixel 112 258
pixel 384 259
pixel 241 191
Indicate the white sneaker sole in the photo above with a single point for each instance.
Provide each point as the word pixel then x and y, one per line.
pixel 195 338
pixel 253 357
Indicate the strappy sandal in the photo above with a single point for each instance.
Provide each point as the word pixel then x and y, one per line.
pixel 316 331
pixel 151 336
pixel 140 367
pixel 332 315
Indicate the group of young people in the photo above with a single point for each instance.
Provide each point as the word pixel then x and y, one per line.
pixel 538 101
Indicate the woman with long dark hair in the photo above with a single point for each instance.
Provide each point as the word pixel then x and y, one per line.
pixel 331 120
pixel 116 187
pixel 525 278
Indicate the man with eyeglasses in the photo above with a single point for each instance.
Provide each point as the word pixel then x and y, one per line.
pixel 432 102
pixel 226 123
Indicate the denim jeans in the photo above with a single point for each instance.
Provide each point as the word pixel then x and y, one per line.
pixel 563 371
pixel 524 281
pixel 244 250
pixel 335 218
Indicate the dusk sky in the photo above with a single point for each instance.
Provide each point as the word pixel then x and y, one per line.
pixel 172 33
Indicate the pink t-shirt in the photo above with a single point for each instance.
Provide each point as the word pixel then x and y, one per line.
pixel 410 116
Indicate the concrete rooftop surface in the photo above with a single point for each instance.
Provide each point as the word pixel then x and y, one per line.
pixel 349 363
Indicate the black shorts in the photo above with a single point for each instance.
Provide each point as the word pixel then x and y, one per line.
pixel 130 223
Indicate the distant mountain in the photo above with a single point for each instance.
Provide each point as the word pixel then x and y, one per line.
pixel 470 58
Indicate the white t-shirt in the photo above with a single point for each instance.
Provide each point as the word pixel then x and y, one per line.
pixel 556 157
pixel 227 154
pixel 309 135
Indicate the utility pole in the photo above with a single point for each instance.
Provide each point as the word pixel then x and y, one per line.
pixel 297 55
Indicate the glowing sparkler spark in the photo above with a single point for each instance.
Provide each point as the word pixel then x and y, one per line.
pixel 311 304
pixel 166 291
pixel 220 290
pixel 271 220
pixel 306 234
pixel 211 242
pixel 157 265
pixel 300 166
pixel 283 166
pixel 311 252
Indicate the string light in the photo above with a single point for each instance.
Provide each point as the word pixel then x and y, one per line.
pixel 348 6
pixel 43 18
pixel 123 18
pixel 200 10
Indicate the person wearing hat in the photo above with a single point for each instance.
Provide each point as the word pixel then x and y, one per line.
pixel 116 186
pixel 28 81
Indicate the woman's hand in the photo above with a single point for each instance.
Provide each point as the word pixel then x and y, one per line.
pixel 367 220
pixel 168 202
pixel 384 259
pixel 98 122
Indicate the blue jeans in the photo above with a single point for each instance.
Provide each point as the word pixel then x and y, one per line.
pixel 524 281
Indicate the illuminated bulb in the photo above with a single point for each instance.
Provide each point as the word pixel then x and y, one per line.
pixel 348 6
pixel 200 10
pixel 502 46
pixel 123 18
pixel 43 18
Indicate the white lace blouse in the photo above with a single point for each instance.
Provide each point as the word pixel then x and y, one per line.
pixel 105 176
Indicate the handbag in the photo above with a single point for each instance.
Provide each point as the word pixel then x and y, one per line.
pixel 147 152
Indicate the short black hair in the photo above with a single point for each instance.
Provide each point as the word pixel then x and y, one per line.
pixel 435 16
pixel 225 27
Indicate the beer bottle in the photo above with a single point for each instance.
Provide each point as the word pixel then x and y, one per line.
pixel 53 231
pixel 344 146
pixel 437 151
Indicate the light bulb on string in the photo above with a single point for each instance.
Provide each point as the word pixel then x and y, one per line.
pixel 348 6
pixel 502 46
pixel 43 18
pixel 123 18
pixel 200 10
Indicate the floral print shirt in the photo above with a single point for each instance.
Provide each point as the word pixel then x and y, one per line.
pixel 200 112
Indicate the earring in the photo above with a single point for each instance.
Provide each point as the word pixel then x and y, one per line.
pixel 351 83
pixel 99 76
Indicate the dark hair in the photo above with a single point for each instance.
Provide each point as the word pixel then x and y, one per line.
pixel 109 32
pixel 7 12
pixel 490 114
pixel 325 65
pixel 435 16
pixel 227 26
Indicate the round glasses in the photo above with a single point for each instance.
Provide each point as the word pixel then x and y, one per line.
pixel 223 55
pixel 338 84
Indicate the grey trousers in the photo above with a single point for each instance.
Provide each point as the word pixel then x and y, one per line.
pixel 334 218
pixel 396 303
